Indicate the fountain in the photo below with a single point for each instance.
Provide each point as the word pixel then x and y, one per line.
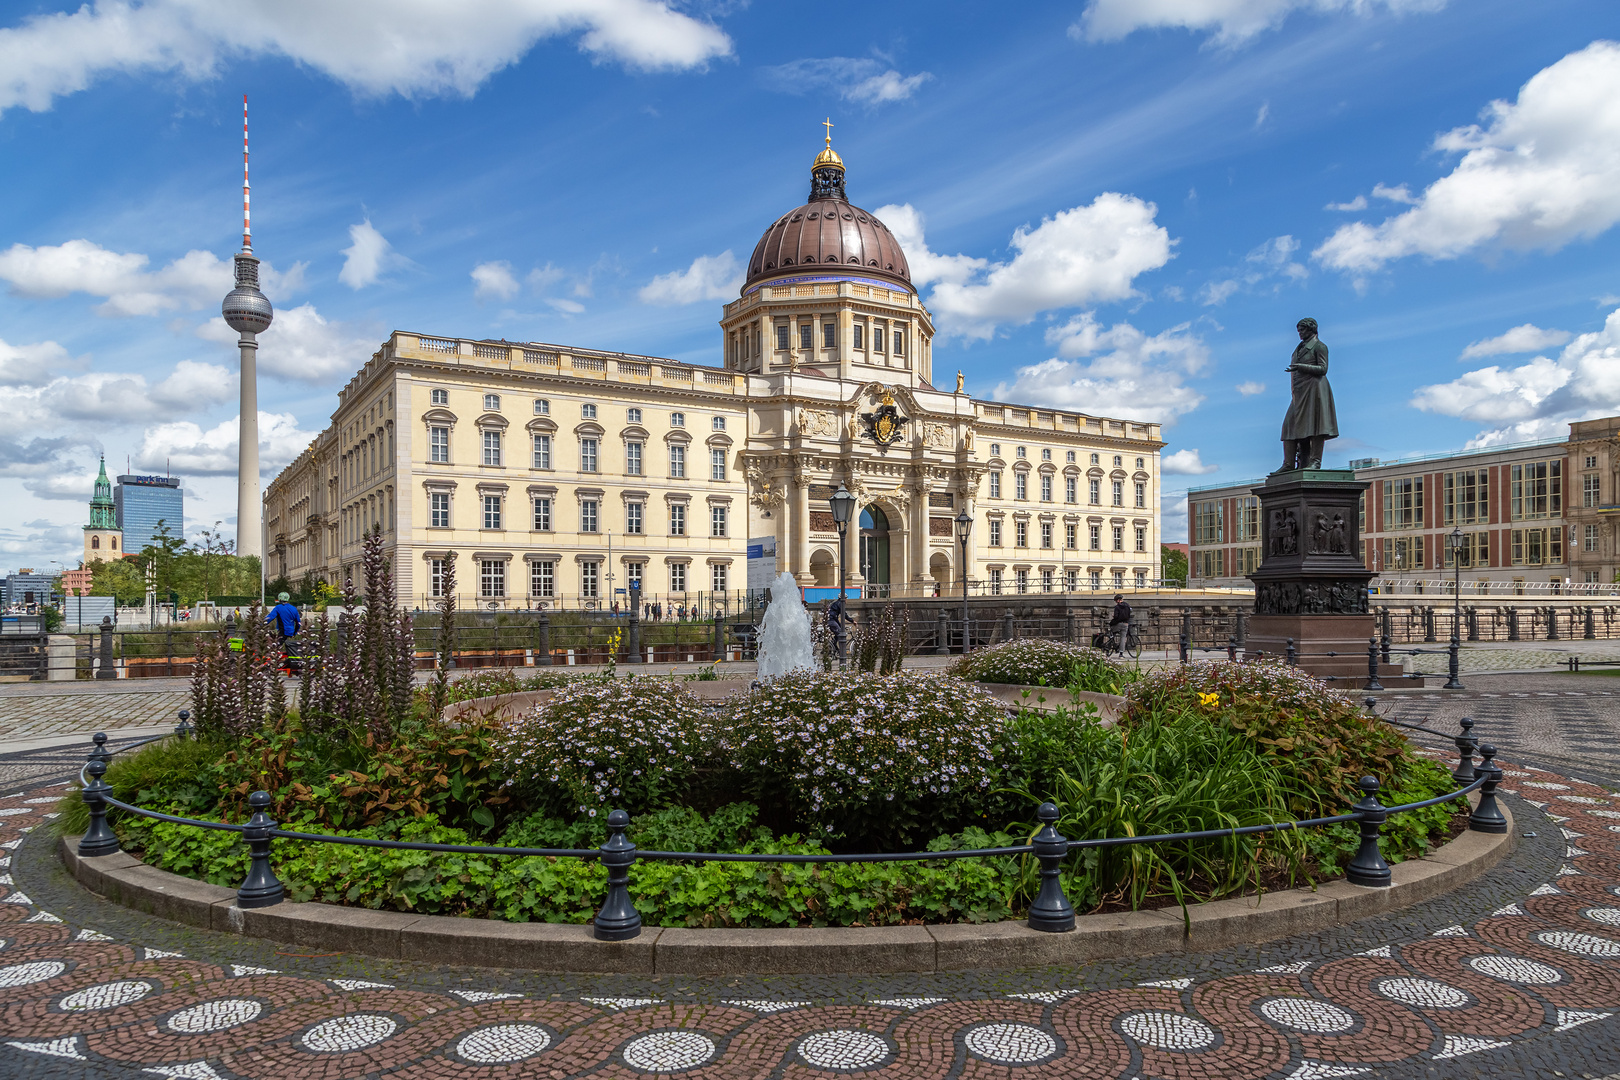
pixel 784 640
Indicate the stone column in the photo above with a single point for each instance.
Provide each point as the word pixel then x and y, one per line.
pixel 798 559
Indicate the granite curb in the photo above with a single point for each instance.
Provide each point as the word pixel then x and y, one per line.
pixel 560 947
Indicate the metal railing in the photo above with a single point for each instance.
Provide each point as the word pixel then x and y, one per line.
pixel 618 920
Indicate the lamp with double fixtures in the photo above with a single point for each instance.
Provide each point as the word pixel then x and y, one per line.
pixel 964 526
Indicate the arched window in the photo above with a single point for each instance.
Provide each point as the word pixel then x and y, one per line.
pixel 95 542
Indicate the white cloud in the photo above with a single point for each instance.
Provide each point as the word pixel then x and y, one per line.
pixel 416 48
pixel 303 344
pixel 567 307
pixel 1539 398
pixel 1229 22
pixel 1272 261
pixel 710 277
pixel 1131 373
pixel 187 448
pixel 1261 116
pixel 1399 194
pixel 862 80
pixel 1250 388
pixel 906 223
pixel 32 365
pixel 1520 339
pixel 1079 256
pixel 494 279
pixel 1357 203
pixel 1541 172
pixel 198 279
pixel 1186 463
pixel 366 256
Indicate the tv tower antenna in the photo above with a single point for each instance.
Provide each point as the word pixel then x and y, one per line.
pixel 248 311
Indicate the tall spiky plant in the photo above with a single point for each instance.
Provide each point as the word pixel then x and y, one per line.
pixel 439 695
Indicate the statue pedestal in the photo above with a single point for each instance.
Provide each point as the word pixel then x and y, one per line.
pixel 1311 585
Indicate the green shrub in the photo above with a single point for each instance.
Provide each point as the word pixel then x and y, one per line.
pixel 876 761
pixel 1034 662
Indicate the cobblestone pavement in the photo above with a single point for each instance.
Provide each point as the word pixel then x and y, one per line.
pixel 32 710
pixel 1517 974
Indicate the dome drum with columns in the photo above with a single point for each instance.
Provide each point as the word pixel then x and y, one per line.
pixel 825 380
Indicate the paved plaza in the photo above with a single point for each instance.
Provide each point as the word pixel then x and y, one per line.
pixel 1515 975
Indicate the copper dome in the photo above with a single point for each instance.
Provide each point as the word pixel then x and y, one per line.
pixel 828 232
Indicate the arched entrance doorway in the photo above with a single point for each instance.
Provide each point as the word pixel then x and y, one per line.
pixel 875 549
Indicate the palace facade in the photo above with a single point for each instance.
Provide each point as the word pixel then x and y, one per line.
pixel 557 476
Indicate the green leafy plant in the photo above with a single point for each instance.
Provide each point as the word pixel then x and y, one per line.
pixel 1036 662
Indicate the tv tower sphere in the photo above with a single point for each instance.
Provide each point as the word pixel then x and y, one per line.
pixel 246 309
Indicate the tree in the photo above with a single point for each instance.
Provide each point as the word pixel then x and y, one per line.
pixel 213 544
pixel 163 554
pixel 1172 566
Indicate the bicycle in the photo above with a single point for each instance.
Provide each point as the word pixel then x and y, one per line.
pixel 1109 643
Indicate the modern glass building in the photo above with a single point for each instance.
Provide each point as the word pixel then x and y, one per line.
pixel 142 501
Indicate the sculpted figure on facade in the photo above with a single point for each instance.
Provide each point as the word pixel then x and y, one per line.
pixel 936 435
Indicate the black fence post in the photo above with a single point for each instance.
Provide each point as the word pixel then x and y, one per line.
pixel 1242 627
pixel 1368 868
pixel 1487 816
pixel 542 640
pixel 1552 623
pixel 618 920
pixel 1428 624
pixel 1007 628
pixel 183 728
pixel 1383 648
pixel 1472 615
pixel 261 889
pixel 1293 654
pixel 1464 772
pixel 99 751
pixel 106 670
pixel 1372 665
pixel 1070 629
pixel 1051 910
pixel 634 636
pixel 1513 623
pixel 719 637
pixel 942 633
pixel 1591 625
pixel 1184 641
pixel 99 839
pixel 1454 683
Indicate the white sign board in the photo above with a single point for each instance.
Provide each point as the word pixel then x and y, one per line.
pixel 761 563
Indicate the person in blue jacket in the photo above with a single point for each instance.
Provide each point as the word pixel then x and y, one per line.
pixel 287 621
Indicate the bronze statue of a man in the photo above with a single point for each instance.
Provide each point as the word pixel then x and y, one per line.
pixel 1311 420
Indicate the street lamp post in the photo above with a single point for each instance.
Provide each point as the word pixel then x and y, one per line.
pixel 1455 540
pixel 964 525
pixel 843 509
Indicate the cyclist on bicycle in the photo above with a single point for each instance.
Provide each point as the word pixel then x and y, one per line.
pixel 288 622
pixel 1120 625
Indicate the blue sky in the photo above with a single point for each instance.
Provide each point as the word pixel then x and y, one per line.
pixel 1115 206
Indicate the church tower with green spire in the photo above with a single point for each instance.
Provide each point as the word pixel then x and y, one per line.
pixel 102 537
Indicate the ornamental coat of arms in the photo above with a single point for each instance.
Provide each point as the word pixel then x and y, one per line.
pixel 885 426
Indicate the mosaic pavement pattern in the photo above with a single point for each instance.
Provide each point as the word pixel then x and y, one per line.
pixel 1466 999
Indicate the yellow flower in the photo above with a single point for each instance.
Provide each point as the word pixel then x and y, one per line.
pixel 1209 699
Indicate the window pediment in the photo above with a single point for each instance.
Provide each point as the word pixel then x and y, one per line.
pixel 589 429
pixel 636 432
pixel 492 422
pixel 542 425
pixel 678 436
pixel 439 416
pixel 719 438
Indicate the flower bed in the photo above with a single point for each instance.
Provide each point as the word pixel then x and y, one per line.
pixel 1035 662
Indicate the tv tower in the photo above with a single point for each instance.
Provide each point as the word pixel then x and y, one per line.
pixel 248 311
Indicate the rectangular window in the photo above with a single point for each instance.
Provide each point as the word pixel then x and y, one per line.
pixel 995 532
pixel 439 444
pixel 492 511
pixel 1537 490
pixel 1591 461
pixel 436 573
pixel 1095 491
pixel 439 397
pixel 677 577
pixel 1119 538
pixel 829 335
pixel 781 336
pixel 995 485
pixel 1046 534
pixel 1119 493
pixel 1071 580
pixel 1096 579
pixel 1475 551
pixel 587 455
pixel 899 342
pixel 1141 494
pixel 717 463
pixel 718 423
pixel 860 334
pixel 1538 547
pixel 1071 533
pixel 1590 490
pixel 492 403
pixel 590 579
pixel 632 416
pixel 717 578
pixel 1403 503
pixel 1141 538
pixel 1046 455
pixel 632 518
pixel 1119 579
pixel 807 336
pixel 587 411
pixel 542 407
pixel 632 459
pixel 439 510
pixel 1020 485
pixel 1589 541
pixel 491 578
pixel 589 515
pixel 677 519
pixel 677 462
pixel 877 339
pixel 1207 522
pixel 542 514
pixel 632 576
pixel 1046 581
pixel 543 579
pixel 1071 487
pixel 717 521
pixel 677 419
pixel 1463 497
pixel 1046 489
pixel 1021 534
pixel 1246 518
pixel 542 451
pixel 995 581
pixel 1403 554
pixel 1095 533
pixel 1022 577
pixel 1141 579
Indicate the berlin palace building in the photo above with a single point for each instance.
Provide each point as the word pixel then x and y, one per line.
pixel 557 476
